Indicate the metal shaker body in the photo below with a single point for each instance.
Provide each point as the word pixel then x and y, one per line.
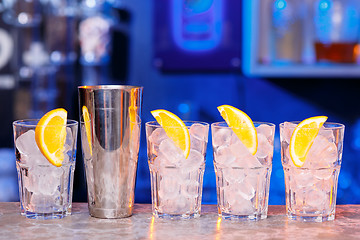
pixel 110 136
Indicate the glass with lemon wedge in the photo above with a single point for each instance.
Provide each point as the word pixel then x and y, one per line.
pixel 311 153
pixel 243 152
pixel 45 152
pixel 176 156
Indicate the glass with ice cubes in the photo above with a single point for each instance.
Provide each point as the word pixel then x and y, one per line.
pixel 242 179
pixel 176 181
pixel 45 190
pixel 311 189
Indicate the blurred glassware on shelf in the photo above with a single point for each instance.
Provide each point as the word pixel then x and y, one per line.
pixel 44 36
pixel 337 30
pixel 60 30
pixel 287 31
pixel 95 36
pixel 22 12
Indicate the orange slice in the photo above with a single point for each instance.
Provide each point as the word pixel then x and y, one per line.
pixel 86 117
pixel 175 129
pixel 303 137
pixel 50 135
pixel 242 125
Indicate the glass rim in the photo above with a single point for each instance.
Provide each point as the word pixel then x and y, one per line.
pixel 327 125
pixel 156 124
pixel 109 87
pixel 33 123
pixel 218 124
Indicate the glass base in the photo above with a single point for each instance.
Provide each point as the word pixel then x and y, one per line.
pixel 176 216
pixel 252 217
pixel 311 217
pixel 45 216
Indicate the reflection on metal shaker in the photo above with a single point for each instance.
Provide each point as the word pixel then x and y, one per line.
pixel 110 136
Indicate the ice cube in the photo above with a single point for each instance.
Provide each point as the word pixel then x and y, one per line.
pixel 157 136
pixel 155 165
pixel 230 194
pixel 264 150
pixel 327 133
pixel 199 131
pixel 69 137
pixel 224 157
pixel 160 162
pixel 287 131
pixel 174 206
pixel 316 199
pixel 265 130
pixel 322 154
pixel 245 189
pixel 244 158
pixel 233 175
pixel 194 161
pixel 169 186
pixel 190 189
pixel 43 179
pixel 287 161
pixel 242 207
pixel 172 153
pixel 221 136
pixel 154 140
pixel 197 144
pixel 26 144
pixel 301 177
pixel 324 185
pixel 41 203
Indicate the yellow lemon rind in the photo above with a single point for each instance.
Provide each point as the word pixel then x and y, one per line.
pixel 162 116
pixel 299 161
pixel 240 122
pixel 57 157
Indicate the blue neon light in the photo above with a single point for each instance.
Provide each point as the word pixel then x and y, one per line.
pixel 325 5
pixel 198 6
pixel 197 25
pixel 280 4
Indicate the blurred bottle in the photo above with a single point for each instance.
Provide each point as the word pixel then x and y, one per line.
pixel 44 43
pixel 61 20
pixel 287 28
pixel 337 30
pixel 60 30
pixel 95 34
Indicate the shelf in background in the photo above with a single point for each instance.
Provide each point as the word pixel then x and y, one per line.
pixel 255 39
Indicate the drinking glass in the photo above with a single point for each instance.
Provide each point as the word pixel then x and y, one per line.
pixel 176 181
pixel 242 179
pixel 45 190
pixel 311 189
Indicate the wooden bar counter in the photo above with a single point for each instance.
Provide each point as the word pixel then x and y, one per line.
pixel 142 225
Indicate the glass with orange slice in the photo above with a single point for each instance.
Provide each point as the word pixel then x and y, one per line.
pixel 243 152
pixel 45 152
pixel 176 156
pixel 311 152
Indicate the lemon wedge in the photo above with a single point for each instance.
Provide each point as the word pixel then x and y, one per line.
pixel 50 135
pixel 242 125
pixel 86 117
pixel 174 128
pixel 303 137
